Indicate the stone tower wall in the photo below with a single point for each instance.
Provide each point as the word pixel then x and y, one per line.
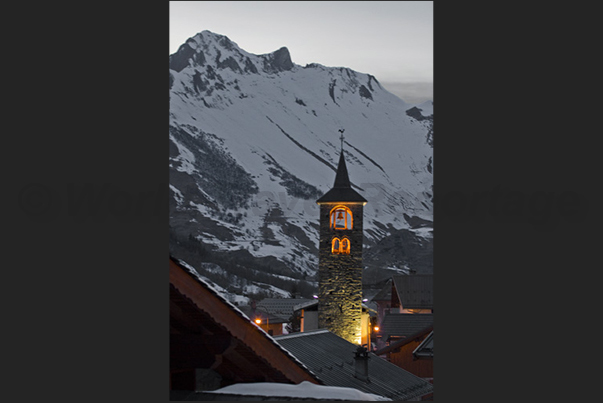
pixel 340 277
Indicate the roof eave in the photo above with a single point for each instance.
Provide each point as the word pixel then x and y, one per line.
pixel 404 341
pixel 319 202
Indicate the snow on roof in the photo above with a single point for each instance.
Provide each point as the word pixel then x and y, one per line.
pixel 305 304
pixel 301 334
pixel 303 390
pixel 311 303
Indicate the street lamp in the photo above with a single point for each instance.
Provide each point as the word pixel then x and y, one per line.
pixel 258 319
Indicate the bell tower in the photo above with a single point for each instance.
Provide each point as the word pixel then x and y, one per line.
pixel 340 257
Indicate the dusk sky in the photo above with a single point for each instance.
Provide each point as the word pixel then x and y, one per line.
pixel 392 40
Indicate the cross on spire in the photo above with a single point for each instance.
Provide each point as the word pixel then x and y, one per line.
pixel 341 137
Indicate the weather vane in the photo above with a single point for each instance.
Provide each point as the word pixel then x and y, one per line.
pixel 341 138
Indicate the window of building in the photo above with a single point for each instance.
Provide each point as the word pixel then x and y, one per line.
pixel 341 218
pixel 335 244
pixel 340 246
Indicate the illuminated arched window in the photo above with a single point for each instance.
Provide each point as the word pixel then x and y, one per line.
pixel 341 218
pixel 340 246
pixel 335 245
pixel 345 246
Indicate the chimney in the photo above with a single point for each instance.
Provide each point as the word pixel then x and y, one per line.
pixel 361 364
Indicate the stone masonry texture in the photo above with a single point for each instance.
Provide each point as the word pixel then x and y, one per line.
pixel 340 277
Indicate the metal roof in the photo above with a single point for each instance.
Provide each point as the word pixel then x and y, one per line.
pixel 331 359
pixel 415 291
pixel 306 305
pixel 282 307
pixel 341 195
pixel 404 324
pixel 385 294
pixel 310 305
pixel 260 313
pixel 425 349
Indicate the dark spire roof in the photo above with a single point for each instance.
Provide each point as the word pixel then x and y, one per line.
pixel 342 188
pixel 342 180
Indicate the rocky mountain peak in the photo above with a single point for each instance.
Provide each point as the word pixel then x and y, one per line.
pixel 220 52
pixel 206 38
pixel 280 60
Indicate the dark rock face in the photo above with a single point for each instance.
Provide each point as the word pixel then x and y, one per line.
pixel 332 90
pixel 295 186
pixel 250 67
pixel 372 78
pixel 220 174
pixel 230 63
pixel 173 150
pixel 212 75
pixel 179 60
pixel 199 58
pixel 278 61
pixel 402 247
pixel 417 222
pixel 430 142
pixel 281 60
pixel 227 43
pixel 198 82
pixel 415 113
pixel 365 93
pixel 340 277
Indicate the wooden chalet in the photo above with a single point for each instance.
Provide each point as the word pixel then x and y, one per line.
pixel 213 344
pixel 401 352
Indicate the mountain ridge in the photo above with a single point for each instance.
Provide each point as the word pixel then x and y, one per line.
pixel 254 143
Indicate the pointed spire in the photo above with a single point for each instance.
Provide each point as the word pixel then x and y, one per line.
pixel 342 179
pixel 342 188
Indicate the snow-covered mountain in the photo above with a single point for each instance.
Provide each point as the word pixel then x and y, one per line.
pixel 254 142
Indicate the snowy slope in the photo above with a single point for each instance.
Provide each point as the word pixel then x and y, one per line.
pixel 254 142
